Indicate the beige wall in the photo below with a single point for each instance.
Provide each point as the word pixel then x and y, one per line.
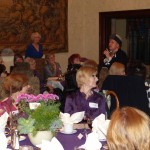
pixel 83 25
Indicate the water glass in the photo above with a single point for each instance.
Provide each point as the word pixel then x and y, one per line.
pixel 68 127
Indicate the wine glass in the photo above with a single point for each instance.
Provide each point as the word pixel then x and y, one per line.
pixel 84 123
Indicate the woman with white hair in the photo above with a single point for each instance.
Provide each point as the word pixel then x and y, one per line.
pixel 86 99
pixel 35 49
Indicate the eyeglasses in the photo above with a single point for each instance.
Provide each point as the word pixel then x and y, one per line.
pixel 94 75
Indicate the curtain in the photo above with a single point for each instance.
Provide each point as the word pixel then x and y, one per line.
pixel 138 35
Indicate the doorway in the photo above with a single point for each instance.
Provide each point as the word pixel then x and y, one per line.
pixel 105 30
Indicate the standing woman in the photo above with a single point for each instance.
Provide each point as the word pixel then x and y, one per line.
pixel 35 49
pixel 86 99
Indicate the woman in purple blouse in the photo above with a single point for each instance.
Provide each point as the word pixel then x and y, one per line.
pixel 86 99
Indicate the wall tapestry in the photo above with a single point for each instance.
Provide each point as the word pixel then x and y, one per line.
pixel 19 18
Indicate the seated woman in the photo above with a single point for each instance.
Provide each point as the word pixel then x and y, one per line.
pixel 129 129
pixel 70 77
pixel 52 68
pixel 14 84
pixel 86 99
pixel 32 63
pixel 24 68
pixel 17 59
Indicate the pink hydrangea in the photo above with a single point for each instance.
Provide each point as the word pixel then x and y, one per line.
pixel 34 98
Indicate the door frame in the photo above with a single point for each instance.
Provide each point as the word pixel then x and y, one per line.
pixel 105 24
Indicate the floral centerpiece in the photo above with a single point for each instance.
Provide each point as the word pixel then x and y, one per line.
pixel 38 113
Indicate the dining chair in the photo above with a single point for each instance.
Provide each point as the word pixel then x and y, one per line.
pixel 130 91
pixel 110 96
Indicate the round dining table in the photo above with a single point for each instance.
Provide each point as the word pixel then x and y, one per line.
pixel 68 141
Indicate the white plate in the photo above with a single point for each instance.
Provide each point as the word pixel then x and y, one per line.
pixel 21 138
pixel 74 131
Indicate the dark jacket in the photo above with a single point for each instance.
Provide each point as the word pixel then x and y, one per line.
pixel 120 57
pixel 130 90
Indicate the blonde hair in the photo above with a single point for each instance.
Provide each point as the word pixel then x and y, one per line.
pixel 91 63
pixel 129 129
pixel 48 55
pixel 83 74
pixel 35 34
pixel 117 69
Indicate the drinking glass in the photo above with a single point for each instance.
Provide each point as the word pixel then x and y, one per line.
pixel 84 123
pixel 25 147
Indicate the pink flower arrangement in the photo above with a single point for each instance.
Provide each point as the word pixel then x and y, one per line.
pixel 36 98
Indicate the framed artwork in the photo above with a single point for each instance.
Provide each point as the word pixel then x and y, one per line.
pixel 20 18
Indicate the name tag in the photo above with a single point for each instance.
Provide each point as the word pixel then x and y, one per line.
pixel 34 105
pixel 93 105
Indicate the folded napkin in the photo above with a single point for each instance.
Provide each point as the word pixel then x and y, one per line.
pixel 53 144
pixel 55 84
pixel 92 142
pixel 74 118
pixel 100 126
pixel 3 139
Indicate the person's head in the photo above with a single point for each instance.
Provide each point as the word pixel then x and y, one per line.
pixel 136 67
pixel 23 68
pixel 35 37
pixel 86 76
pixel 50 58
pixel 31 62
pixel 115 42
pixel 3 72
pixel 129 129
pixel 117 69
pixel 18 58
pixel 90 63
pixel 15 82
pixel 74 59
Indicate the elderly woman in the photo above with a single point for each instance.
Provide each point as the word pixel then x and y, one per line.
pixel 52 68
pixel 129 129
pixel 86 99
pixel 35 49
pixel 14 84
pixel 32 63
